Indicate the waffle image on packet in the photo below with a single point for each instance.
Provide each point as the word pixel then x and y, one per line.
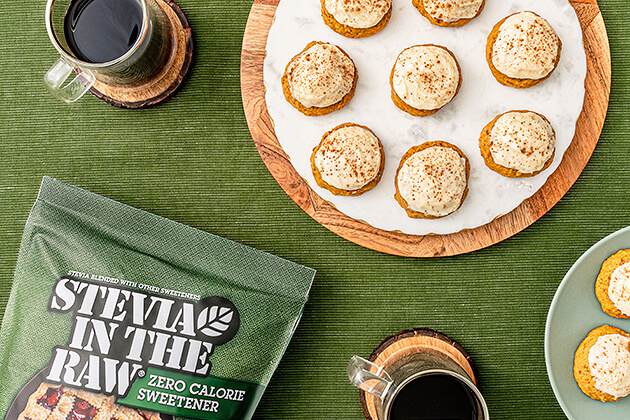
pixel 58 402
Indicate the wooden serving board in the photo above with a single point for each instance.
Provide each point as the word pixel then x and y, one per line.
pixel 588 130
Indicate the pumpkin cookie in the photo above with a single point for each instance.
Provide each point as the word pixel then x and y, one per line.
pixel 518 144
pixel 523 50
pixel 450 12
pixel 349 160
pixel 319 80
pixel 601 366
pixel 613 285
pixel 356 18
pixel 424 79
pixel 432 180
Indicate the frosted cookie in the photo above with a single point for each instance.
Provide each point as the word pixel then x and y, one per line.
pixel 319 80
pixel 518 144
pixel 424 79
pixel 450 12
pixel 356 18
pixel 432 180
pixel 613 285
pixel 523 50
pixel 349 160
pixel 601 366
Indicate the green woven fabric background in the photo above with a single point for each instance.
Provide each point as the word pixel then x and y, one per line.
pixel 192 160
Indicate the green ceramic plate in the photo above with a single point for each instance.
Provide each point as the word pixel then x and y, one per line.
pixel 574 312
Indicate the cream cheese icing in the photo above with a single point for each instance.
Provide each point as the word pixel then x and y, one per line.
pixel 526 47
pixel 609 361
pixel 320 76
pixel 349 158
pixel 433 181
pixel 452 10
pixel 425 77
pixel 619 289
pixel 523 141
pixel 360 14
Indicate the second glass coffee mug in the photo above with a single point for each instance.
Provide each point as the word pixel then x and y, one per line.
pixel 147 54
pixel 400 393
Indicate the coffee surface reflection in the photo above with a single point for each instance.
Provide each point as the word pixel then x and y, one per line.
pixel 98 31
pixel 434 397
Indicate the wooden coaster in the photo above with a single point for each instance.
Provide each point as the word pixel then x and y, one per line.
pixel 588 129
pixel 161 85
pixel 413 341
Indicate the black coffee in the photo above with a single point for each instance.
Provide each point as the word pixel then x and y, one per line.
pixel 98 31
pixel 434 397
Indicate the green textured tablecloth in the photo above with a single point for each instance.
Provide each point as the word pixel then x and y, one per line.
pixel 192 160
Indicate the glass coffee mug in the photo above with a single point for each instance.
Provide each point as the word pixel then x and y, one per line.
pixel 115 42
pixel 420 385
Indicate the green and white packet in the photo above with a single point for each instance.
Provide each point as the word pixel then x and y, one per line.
pixel 115 307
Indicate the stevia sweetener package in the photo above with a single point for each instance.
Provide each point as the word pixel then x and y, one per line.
pixel 118 314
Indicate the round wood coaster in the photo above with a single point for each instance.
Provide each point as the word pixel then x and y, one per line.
pixel 588 129
pixel 413 341
pixel 162 85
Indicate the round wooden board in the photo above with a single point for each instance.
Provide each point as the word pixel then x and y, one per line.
pixel 588 130
pixel 162 85
pixel 407 342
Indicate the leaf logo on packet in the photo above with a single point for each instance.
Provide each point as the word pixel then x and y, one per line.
pixel 215 321
pixel 119 314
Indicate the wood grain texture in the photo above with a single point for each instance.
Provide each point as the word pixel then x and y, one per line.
pixel 162 85
pixel 413 341
pixel 588 130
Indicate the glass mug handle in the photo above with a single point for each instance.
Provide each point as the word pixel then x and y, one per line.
pixel 369 377
pixel 59 73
